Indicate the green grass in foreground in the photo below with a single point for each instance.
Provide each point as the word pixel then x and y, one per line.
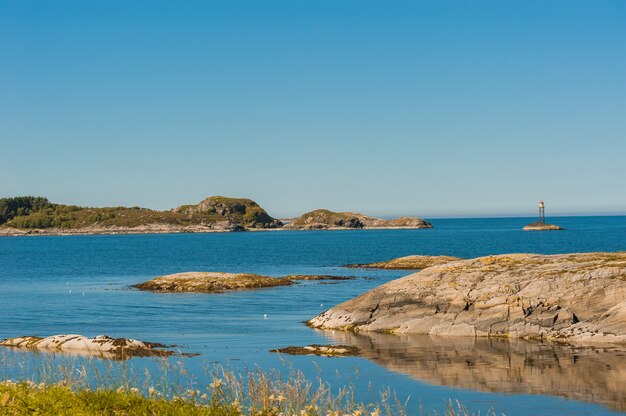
pixel 24 399
pixel 27 398
pixel 74 387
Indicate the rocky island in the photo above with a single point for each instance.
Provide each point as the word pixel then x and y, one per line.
pixel 323 219
pixel 415 262
pixel 218 282
pixel 101 345
pixel 321 350
pixel 37 215
pixel 28 215
pixel 541 226
pixel 569 298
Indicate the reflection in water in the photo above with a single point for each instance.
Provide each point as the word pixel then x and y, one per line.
pixel 500 365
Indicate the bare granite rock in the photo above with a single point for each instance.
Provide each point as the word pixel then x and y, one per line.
pixel 540 226
pixel 101 345
pixel 573 298
pixel 408 263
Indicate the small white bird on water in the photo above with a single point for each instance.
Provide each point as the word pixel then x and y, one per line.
pixel 264 316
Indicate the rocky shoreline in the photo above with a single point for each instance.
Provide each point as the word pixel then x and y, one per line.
pixel 155 229
pixel 569 298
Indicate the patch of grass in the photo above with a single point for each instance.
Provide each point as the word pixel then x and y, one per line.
pixel 28 399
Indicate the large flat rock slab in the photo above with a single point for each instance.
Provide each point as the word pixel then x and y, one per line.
pixel 572 298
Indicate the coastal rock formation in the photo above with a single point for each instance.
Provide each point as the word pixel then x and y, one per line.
pixel 575 298
pixel 407 263
pixel 210 282
pixel 239 211
pixel 218 282
pixel 101 345
pixel 499 365
pixel 321 350
pixel 540 226
pixel 323 219
pixel 36 215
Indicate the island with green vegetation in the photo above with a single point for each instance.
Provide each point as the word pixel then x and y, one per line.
pixel 37 215
pixel 30 215
pixel 323 219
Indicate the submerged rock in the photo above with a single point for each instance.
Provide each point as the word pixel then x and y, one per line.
pixel 321 350
pixel 296 277
pixel 408 262
pixel 540 226
pixel 575 298
pixel 101 345
pixel 323 219
pixel 218 282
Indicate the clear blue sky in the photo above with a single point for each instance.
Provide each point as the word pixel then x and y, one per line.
pixel 431 108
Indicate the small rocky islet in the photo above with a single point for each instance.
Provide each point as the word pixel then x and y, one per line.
pixel 321 350
pixel 100 346
pixel 219 282
pixel 414 262
pixel 542 226
pixel 323 219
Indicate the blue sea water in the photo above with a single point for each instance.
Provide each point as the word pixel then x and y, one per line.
pixel 80 284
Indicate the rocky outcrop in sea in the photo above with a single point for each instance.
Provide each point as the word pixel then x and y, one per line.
pixel 101 346
pixel 323 219
pixel 415 262
pixel 570 298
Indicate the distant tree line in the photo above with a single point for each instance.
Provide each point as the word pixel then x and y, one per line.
pixel 21 205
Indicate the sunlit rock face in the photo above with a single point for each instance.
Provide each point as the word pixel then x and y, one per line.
pixel 573 298
pixel 100 346
pixel 499 365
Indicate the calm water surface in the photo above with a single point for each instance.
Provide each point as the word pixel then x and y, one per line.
pixel 38 273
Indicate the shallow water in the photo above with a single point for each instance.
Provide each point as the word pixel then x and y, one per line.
pixel 79 284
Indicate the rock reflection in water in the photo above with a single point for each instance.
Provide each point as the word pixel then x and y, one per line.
pixel 500 365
